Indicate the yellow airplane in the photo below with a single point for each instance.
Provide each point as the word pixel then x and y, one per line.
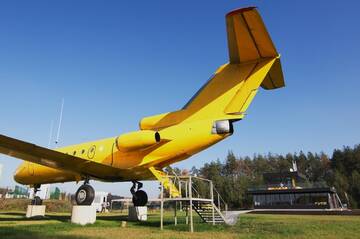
pixel 165 138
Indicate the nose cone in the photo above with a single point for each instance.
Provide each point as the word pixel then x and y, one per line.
pixel 20 174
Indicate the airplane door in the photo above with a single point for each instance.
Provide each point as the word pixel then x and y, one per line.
pixel 112 154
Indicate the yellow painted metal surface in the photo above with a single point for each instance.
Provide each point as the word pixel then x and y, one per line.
pixel 139 155
pixel 166 182
pixel 137 140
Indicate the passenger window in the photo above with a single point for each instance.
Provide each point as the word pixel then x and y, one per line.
pixel 74 153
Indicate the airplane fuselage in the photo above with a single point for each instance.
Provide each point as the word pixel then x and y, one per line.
pixel 177 143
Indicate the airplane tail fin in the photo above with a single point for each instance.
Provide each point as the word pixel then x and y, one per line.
pixel 248 40
pixel 253 62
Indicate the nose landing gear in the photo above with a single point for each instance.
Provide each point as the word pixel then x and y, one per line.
pixel 85 194
pixel 37 200
pixel 140 197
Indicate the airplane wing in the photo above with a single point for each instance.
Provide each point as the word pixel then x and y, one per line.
pixel 248 40
pixel 54 159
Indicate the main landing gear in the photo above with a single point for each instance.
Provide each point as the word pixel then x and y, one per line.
pixel 140 197
pixel 36 200
pixel 85 194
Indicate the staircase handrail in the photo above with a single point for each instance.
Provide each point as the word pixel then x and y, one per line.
pixel 221 199
pixel 176 178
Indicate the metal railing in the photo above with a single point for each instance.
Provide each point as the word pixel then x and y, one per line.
pixel 198 188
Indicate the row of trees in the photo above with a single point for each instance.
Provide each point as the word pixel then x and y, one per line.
pixel 233 176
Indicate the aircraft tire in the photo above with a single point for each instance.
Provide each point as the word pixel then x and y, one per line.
pixel 140 198
pixel 85 195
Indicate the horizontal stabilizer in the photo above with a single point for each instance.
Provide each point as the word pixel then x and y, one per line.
pixel 275 78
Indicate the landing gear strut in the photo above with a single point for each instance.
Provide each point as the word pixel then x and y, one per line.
pixel 140 197
pixel 37 200
pixel 85 194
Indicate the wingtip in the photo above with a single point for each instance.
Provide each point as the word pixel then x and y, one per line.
pixel 240 10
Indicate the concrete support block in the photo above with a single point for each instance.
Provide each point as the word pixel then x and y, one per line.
pixel 137 213
pixel 35 211
pixel 83 214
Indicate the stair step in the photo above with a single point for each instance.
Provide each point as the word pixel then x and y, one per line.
pixel 209 215
pixel 217 216
pixel 208 212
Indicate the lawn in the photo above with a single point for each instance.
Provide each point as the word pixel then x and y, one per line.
pixel 57 225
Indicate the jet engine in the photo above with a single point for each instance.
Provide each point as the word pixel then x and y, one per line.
pixel 222 127
pixel 137 140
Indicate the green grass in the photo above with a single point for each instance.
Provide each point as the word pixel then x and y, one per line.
pixel 57 225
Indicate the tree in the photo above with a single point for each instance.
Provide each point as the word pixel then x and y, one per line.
pixel 235 175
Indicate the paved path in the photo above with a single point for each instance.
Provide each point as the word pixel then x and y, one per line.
pixel 232 217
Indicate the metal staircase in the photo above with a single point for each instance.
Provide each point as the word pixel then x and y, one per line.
pixel 208 212
pixel 194 194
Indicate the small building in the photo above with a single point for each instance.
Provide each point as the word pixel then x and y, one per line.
pixel 282 192
pixel 17 192
pixel 100 201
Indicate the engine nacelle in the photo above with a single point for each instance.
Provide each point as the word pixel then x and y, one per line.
pixel 222 127
pixel 137 140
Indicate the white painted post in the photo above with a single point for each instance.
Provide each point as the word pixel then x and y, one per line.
pixel 162 207
pixel 218 197
pixel 190 207
pixel 212 202
pixel 170 188
pixel 175 218
pixel 186 196
pixel 180 195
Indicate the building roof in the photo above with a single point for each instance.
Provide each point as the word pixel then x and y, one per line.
pixel 272 178
pixel 292 190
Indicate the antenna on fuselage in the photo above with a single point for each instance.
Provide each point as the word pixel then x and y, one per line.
pixel 51 133
pixel 60 119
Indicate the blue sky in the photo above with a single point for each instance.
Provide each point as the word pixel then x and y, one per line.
pixel 115 62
